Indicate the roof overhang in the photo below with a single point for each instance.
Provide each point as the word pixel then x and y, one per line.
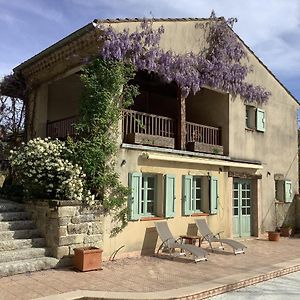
pixel 202 161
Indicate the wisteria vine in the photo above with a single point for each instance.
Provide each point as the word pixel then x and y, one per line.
pixel 220 66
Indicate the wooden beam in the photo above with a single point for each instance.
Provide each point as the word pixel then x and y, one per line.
pixel 244 175
pixel 181 121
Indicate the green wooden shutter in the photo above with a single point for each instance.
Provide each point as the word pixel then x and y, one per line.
pixel 288 191
pixel 135 183
pixel 187 195
pixel 169 196
pixel 214 195
pixel 260 120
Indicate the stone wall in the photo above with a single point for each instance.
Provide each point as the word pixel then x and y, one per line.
pixel 67 225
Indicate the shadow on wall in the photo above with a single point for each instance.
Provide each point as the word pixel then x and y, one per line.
pixel 150 241
pixel 288 213
pixel 297 212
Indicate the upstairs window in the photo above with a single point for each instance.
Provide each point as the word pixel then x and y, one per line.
pixel 250 116
pixel 283 190
pixel 255 118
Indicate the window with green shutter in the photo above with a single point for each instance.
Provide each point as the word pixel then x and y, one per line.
pixel 260 120
pixel 288 191
pixel 283 190
pixel 214 195
pixel 187 207
pixel 169 196
pixel 143 199
pixel 192 195
pixel 135 183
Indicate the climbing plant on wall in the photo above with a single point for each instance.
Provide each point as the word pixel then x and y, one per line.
pixel 106 92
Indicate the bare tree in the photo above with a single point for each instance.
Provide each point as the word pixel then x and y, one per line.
pixel 11 117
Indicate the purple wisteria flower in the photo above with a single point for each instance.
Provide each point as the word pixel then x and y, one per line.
pixel 219 66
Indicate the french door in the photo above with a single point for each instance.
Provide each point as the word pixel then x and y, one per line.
pixel 241 207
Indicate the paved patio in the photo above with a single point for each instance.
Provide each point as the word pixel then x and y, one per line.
pixel 161 278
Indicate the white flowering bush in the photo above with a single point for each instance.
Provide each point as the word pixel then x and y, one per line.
pixel 44 172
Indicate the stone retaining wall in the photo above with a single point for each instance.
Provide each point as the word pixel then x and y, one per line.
pixel 67 225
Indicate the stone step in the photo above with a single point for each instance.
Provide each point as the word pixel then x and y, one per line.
pixel 15 225
pixel 19 234
pixel 13 255
pixel 22 244
pixel 27 265
pixel 10 206
pixel 14 216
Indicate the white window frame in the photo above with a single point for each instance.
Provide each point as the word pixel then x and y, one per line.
pixel 143 202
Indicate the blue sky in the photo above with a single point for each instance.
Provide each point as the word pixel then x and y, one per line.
pixel 270 27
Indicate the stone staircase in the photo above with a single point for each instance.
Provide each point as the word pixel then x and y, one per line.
pixel 22 249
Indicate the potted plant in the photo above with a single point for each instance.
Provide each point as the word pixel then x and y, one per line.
pixel 88 258
pixel 286 230
pixel 273 236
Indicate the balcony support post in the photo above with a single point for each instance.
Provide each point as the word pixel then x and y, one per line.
pixel 181 121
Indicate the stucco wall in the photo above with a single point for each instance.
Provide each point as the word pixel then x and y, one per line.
pixel 64 96
pixel 276 148
pixel 140 236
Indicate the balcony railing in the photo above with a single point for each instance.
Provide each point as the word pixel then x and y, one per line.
pixel 61 128
pixel 203 134
pixel 135 122
pixel 138 122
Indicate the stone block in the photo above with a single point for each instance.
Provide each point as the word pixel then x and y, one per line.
pixel 64 221
pixel 92 239
pixel 97 227
pixel 70 239
pixel 67 211
pixel 62 231
pixel 83 218
pixel 77 228
pixel 62 251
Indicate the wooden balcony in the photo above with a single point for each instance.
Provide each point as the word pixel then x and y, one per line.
pixel 149 129
pixel 62 128
pixel 201 138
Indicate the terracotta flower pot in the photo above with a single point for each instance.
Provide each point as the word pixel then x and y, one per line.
pixel 273 236
pixel 87 259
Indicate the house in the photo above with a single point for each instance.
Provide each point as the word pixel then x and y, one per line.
pixel 208 156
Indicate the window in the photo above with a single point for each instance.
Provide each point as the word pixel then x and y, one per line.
pixel 145 189
pixel 283 190
pixel 250 116
pixel 196 193
pixel 200 194
pixel 148 195
pixel 255 118
pixel 143 199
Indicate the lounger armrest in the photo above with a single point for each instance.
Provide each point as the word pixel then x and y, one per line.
pixel 219 234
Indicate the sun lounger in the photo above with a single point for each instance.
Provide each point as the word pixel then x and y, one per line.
pixel 170 244
pixel 208 236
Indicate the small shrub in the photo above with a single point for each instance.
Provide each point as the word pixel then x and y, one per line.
pixel 41 167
